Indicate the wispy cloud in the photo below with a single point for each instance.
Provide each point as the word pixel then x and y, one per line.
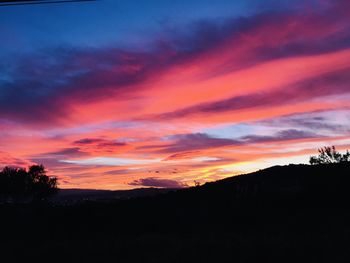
pixel 109 161
pixel 157 182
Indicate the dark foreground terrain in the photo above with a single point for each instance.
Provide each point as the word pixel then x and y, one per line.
pixel 77 196
pixel 295 213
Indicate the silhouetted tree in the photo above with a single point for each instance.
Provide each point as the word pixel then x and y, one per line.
pixel 329 155
pixel 17 183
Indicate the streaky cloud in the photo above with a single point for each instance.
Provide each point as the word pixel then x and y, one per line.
pixel 157 182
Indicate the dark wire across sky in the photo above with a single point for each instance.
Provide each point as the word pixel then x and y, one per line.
pixel 39 2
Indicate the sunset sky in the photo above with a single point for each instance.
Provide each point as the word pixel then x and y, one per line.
pixel 127 94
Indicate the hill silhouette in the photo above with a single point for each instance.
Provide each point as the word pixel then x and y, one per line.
pixel 280 214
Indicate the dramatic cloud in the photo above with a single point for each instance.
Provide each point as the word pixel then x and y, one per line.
pixel 280 136
pixel 324 85
pixel 46 87
pixel 98 142
pixel 187 143
pixel 157 182
pixel 100 145
pixel 197 141
pixel 201 96
pixel 71 152
pixel 320 121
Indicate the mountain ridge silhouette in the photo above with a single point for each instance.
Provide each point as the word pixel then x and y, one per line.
pixel 279 214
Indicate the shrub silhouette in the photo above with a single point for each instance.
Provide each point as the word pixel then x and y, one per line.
pixel 20 184
pixel 329 155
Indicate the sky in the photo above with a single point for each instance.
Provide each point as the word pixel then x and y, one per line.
pixel 127 94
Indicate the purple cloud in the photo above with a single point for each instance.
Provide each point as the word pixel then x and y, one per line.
pixel 196 141
pixel 191 142
pixel 99 142
pixel 157 182
pixel 67 152
pixel 335 121
pixel 284 135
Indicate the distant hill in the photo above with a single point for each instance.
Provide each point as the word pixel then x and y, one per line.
pixel 276 181
pixel 313 181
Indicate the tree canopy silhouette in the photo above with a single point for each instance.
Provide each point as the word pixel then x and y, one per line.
pixel 19 183
pixel 329 155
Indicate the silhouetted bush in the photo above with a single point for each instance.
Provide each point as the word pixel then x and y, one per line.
pixel 22 184
pixel 329 155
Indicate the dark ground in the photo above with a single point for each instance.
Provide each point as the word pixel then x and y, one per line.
pixel 77 196
pixel 295 213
